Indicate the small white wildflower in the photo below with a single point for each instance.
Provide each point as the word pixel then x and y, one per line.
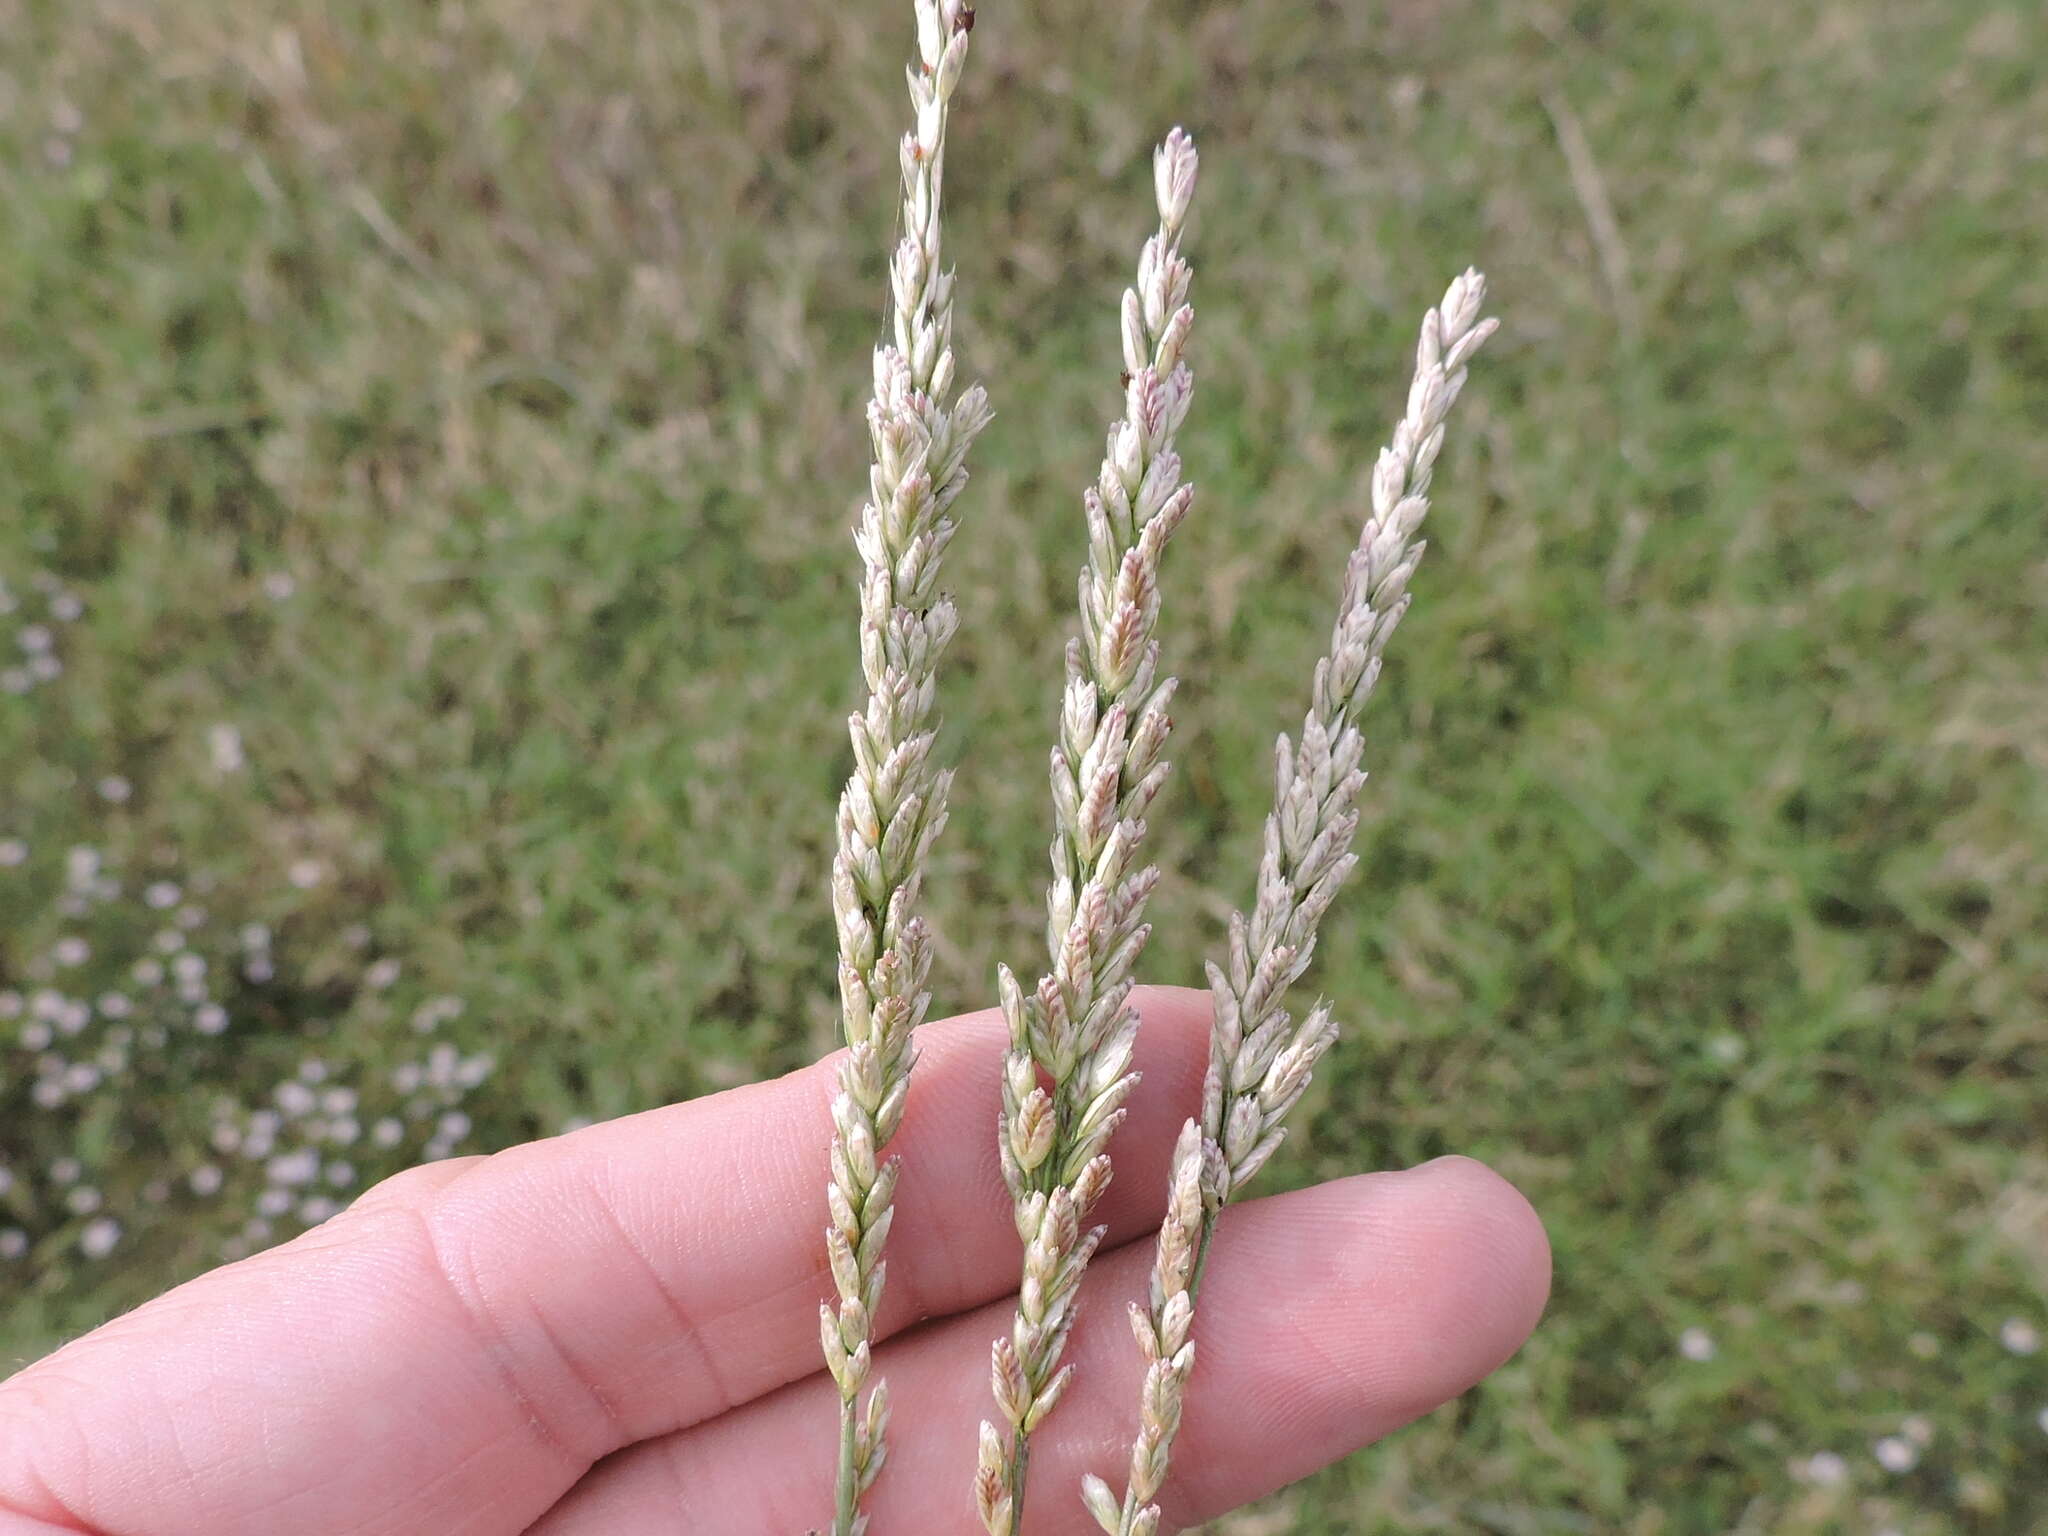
pixel 99 1237
pixel 48 1093
pixel 66 1170
pixel 316 1210
pixel 115 1005
pixel 115 790
pixel 81 1077
pixel 75 1017
pixel 1896 1454
pixel 387 1133
pixel 162 894
pixel 1696 1344
pixel 13 1243
pixel 273 1201
pixel 1826 1469
pixel 453 1126
pixel 15 680
pixel 66 608
pixel 258 969
pixel 442 1062
pixel 188 966
pixel 224 746
pixel 306 873
pixel 340 1175
pixel 81 866
pixel 210 1019
pixel 406 1077
pixel 190 918
pixel 300 1166
pixel 11 1005
pixel 279 585
pixel 168 941
pixel 147 973
pixel 381 975
pixel 71 950
pixel 48 1003
pixel 206 1179
pixel 473 1071
pixel 2019 1336
pixel 256 1230
pixel 34 639
pixel 313 1070
pixel 13 851
pixel 1918 1428
pixel 255 936
pixel 294 1098
pixel 338 1101
pixel 343 1130
pixel 83 1201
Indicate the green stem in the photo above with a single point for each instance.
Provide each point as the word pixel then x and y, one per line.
pixel 849 1475
pixel 1020 1463
pixel 1209 1216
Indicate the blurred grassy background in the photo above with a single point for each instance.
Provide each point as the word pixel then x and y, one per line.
pixel 1705 888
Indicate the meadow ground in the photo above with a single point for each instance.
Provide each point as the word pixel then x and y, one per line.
pixel 429 437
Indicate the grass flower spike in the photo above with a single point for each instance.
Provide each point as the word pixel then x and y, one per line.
pixel 1068 1074
pixel 1260 1060
pixel 894 803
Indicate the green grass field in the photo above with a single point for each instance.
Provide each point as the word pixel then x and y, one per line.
pixel 461 402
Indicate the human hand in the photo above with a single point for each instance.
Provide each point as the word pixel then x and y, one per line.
pixel 616 1331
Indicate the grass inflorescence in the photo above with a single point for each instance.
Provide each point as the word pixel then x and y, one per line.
pixel 385 383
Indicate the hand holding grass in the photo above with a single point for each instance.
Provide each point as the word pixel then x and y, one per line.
pixel 615 1331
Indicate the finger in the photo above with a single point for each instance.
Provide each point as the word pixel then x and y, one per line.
pixel 452 1355
pixel 1328 1319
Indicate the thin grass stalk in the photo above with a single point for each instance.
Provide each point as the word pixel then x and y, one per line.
pixel 1260 1061
pixel 1068 1073
pixel 894 803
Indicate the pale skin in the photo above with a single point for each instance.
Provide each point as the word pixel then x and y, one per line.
pixel 615 1331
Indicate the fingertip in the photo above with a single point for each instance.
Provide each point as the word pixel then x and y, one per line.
pixel 1510 1231
pixel 1464 1253
pixel 1338 1314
